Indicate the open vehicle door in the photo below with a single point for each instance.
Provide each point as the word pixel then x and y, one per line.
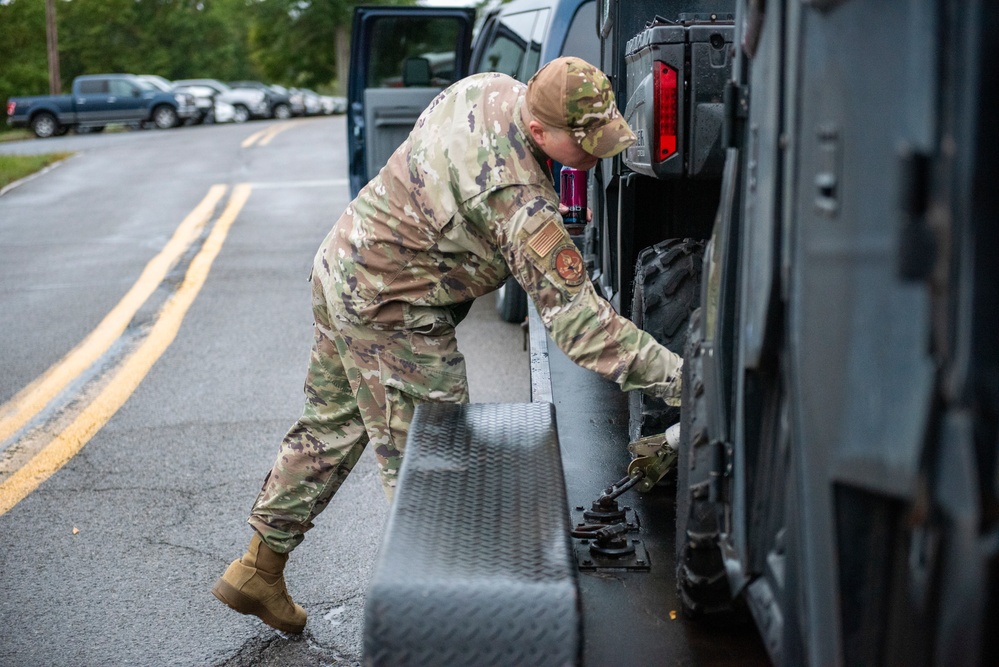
pixel 401 58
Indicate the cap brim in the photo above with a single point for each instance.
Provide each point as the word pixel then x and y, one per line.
pixel 609 138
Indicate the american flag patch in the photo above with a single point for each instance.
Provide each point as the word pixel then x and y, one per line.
pixel 545 240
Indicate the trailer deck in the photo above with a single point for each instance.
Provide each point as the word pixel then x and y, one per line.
pixel 629 618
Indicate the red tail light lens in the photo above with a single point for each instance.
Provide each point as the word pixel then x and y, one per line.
pixel 665 83
pixel 10 108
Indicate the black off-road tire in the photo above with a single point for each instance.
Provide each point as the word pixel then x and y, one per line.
pixel 511 302
pixel 667 290
pixel 701 581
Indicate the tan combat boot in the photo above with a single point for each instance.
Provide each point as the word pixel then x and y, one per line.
pixel 254 584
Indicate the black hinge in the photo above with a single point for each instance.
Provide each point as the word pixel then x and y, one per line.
pixel 736 112
pixel 721 468
pixel 917 248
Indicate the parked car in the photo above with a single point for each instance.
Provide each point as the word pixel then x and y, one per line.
pixel 99 100
pixel 211 109
pixel 247 104
pixel 204 100
pixel 224 112
pixel 295 98
pixel 312 101
pixel 333 104
pixel 157 81
pixel 278 99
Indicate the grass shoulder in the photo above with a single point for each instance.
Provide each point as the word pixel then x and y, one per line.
pixel 15 167
pixel 19 134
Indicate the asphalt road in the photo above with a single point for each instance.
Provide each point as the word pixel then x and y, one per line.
pixel 155 331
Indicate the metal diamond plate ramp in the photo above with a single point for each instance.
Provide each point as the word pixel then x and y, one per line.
pixel 476 568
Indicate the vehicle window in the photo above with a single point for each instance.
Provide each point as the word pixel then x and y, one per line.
pixel 414 52
pixel 510 41
pixel 94 87
pixel 533 57
pixel 581 40
pixel 121 88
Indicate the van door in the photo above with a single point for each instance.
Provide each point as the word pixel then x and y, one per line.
pixel 401 58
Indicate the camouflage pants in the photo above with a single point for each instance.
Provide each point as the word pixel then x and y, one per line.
pixel 362 386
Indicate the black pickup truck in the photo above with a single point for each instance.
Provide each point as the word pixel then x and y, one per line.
pixel 99 100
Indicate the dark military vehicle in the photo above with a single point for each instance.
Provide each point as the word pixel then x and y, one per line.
pixel 808 217
pixel 838 454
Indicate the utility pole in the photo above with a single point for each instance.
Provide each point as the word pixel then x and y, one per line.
pixel 52 42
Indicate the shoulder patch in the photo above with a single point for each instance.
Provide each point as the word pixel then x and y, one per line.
pixel 568 264
pixel 545 239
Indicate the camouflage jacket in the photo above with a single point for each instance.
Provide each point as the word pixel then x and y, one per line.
pixel 463 202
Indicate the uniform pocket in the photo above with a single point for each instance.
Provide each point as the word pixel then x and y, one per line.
pixel 408 383
pixel 424 377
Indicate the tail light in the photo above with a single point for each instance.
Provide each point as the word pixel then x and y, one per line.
pixel 665 83
pixel 10 108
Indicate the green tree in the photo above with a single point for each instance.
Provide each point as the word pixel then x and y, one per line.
pixel 292 42
pixel 173 38
pixel 25 63
pixel 304 42
pixel 97 37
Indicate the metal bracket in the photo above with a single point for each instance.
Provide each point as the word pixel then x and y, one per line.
pixel 589 561
pixel 603 533
pixel 580 518
pixel 657 454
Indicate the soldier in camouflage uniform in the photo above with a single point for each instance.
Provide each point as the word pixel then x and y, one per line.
pixel 466 201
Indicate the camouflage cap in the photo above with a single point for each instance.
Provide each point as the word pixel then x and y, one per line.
pixel 571 94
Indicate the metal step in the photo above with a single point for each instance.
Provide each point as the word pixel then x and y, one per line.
pixel 477 566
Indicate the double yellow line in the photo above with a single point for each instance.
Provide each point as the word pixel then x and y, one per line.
pixel 17 412
pixel 264 136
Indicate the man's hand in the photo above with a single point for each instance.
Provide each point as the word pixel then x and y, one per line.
pixel 668 391
pixel 563 209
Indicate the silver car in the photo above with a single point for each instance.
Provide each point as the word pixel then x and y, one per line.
pixel 247 103
pixel 211 109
